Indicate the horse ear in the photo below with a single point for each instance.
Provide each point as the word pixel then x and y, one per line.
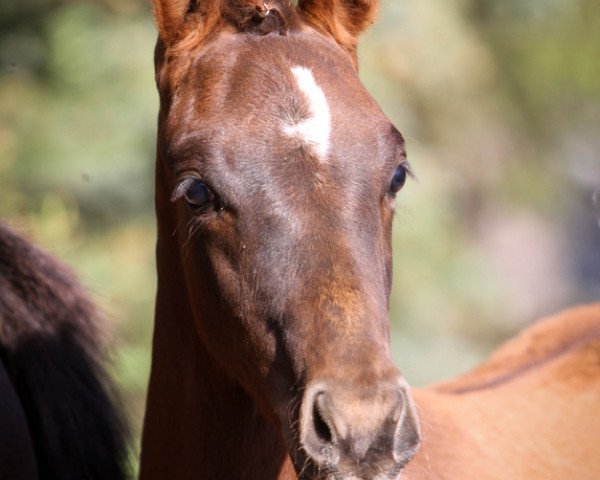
pixel 345 20
pixel 257 16
pixel 170 15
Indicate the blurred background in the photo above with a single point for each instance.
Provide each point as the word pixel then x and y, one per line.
pixel 500 105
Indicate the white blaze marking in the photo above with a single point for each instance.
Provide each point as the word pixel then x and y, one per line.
pixel 316 129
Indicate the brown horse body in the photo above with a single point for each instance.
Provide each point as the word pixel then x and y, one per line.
pixel 531 412
pixel 276 179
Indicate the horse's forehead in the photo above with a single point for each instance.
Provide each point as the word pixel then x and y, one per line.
pixel 266 110
pixel 303 87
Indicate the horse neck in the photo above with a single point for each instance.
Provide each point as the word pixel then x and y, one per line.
pixel 199 423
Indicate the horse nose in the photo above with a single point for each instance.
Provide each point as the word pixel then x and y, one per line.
pixel 354 431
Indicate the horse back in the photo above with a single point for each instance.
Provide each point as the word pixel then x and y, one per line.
pixel 531 412
pixel 567 334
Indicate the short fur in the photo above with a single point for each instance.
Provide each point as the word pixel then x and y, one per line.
pixel 531 412
pixel 50 346
pixel 279 296
pixel 271 356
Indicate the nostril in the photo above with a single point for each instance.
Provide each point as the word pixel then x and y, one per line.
pixel 407 438
pixel 317 431
pixel 320 425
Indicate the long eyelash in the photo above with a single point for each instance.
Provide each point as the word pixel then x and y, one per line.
pixel 181 188
pixel 409 170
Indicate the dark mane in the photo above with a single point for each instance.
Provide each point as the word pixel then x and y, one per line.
pixel 49 344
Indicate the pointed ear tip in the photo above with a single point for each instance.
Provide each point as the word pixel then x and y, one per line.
pixel 168 16
pixel 163 34
pixel 160 22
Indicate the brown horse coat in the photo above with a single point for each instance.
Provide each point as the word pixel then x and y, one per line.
pixel 531 412
pixel 276 179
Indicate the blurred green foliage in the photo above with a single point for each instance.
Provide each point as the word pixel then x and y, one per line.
pixel 500 105
pixel 77 140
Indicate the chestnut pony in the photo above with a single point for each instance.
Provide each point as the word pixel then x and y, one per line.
pixel 276 179
pixel 58 417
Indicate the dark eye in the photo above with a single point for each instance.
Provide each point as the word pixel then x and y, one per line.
pixel 197 194
pixel 399 179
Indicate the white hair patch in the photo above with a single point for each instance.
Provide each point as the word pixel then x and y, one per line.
pixel 316 129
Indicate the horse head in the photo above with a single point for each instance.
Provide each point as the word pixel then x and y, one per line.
pixel 277 176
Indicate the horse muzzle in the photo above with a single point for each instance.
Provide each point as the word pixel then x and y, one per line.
pixel 359 433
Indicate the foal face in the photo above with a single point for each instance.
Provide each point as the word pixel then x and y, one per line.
pixel 284 174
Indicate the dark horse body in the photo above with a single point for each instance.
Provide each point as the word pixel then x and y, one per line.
pixel 58 420
pixel 276 179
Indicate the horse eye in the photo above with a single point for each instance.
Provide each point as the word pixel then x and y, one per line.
pixel 198 194
pixel 399 179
